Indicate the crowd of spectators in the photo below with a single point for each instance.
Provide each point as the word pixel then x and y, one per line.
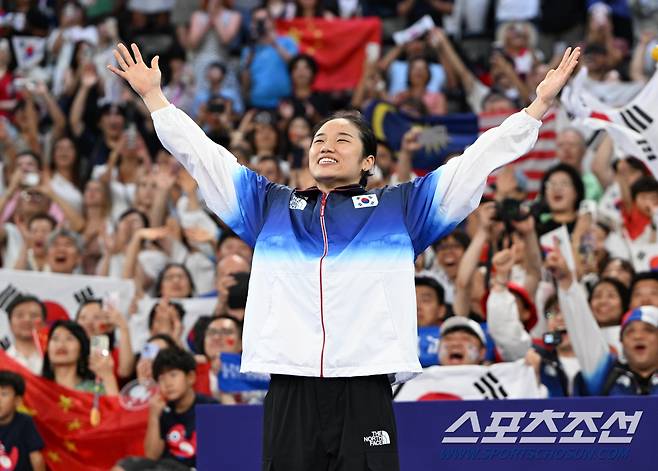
pixel 86 188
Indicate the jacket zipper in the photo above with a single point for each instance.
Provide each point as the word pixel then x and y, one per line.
pixel 324 254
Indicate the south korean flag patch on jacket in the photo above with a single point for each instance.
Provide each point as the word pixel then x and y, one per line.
pixel 365 201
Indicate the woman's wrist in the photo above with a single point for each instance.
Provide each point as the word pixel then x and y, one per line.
pixel 155 100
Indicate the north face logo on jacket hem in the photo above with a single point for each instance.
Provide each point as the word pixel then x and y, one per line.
pixel 378 437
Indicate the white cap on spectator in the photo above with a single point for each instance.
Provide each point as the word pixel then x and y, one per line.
pixel 463 323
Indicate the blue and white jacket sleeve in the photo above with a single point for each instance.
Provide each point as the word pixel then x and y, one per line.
pixel 236 194
pixel 440 200
pixel 588 343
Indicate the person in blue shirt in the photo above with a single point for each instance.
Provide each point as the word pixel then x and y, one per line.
pixel 331 309
pixel 265 74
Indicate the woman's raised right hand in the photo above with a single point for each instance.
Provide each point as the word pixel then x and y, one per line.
pixel 143 79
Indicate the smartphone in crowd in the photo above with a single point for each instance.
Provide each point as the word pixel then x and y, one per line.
pixel 149 351
pixel 31 179
pixel 100 344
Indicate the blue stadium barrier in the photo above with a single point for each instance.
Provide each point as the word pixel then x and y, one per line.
pixel 584 434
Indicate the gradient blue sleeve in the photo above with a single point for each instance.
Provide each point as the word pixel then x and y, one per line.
pixel 236 194
pixel 437 202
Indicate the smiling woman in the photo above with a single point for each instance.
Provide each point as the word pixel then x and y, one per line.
pixel 333 318
pixel 342 151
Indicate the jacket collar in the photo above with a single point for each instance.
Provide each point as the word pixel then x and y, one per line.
pixel 354 189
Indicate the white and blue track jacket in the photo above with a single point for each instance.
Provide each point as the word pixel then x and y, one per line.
pixel 332 282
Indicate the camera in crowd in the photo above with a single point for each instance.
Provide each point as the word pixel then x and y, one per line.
pixel 258 30
pixel 511 210
pixel 553 338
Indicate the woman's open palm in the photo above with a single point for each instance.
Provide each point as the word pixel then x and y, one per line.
pixel 556 78
pixel 142 79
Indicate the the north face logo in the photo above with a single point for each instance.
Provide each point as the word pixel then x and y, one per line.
pixel 378 437
pixel 297 203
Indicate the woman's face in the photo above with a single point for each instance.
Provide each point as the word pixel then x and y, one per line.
pixel 222 336
pixel 63 348
pixel 615 269
pixel 516 37
pixel 298 130
pixel 302 73
pixel 606 304
pixel 127 227
pixel 89 317
pixel 84 54
pixel 94 194
pixel 560 193
pixel 265 139
pixel 419 73
pixel 40 230
pixel 146 188
pixel 175 283
pixel 64 154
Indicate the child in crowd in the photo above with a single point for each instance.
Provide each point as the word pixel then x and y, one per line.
pixel 20 442
pixel 170 442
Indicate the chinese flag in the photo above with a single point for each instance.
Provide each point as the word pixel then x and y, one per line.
pixel 338 46
pixel 62 418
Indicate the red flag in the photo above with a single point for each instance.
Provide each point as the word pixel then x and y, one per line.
pixel 338 46
pixel 62 418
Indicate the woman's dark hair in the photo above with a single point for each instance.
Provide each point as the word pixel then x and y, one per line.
pixel 34 156
pixel 86 302
pixel 173 359
pixel 201 339
pixel 634 163
pixel 250 137
pixel 77 180
pixel 82 368
pixel 129 211
pixel 304 58
pixel 551 303
pixel 179 309
pixel 163 272
pixel 74 57
pixel 625 264
pixel 622 291
pixel 427 68
pixel 366 135
pixel 575 178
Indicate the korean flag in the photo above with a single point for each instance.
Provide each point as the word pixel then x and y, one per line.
pixel 365 201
